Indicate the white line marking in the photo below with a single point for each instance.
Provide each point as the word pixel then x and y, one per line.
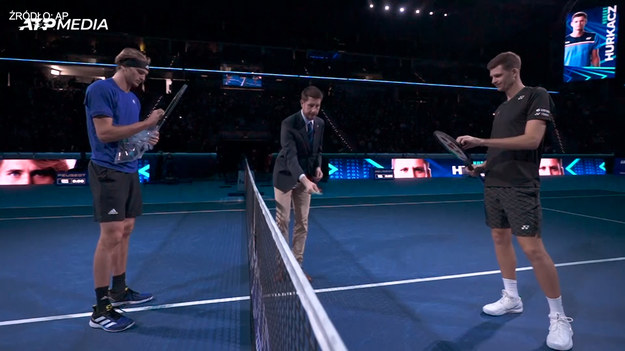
pixel 319 206
pixel 318 291
pixel 145 214
pixel 132 309
pixel 583 215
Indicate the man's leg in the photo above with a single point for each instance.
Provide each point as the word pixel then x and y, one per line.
pixel 106 252
pixel 120 260
pixel 544 269
pixel 504 251
pixel 301 209
pixel 510 301
pixel 120 293
pixel 560 335
pixel 283 211
pixel 104 316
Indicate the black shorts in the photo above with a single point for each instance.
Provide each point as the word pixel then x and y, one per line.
pixel 514 207
pixel 116 195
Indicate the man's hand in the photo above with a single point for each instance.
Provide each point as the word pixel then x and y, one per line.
pixel 475 171
pixel 467 141
pixel 318 175
pixel 154 134
pixel 154 118
pixel 310 186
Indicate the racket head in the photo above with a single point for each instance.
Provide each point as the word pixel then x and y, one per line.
pixel 453 147
pixel 172 105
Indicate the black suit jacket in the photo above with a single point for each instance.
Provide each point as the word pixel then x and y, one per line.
pixel 296 156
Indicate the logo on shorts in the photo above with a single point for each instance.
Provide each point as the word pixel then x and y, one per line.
pixel 113 212
pixel 525 227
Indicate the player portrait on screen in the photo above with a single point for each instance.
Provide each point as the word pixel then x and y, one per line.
pixel 32 171
pixel 411 168
pixel 550 167
pixel 581 47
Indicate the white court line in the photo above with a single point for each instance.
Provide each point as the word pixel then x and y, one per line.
pixel 145 214
pixel 452 201
pixel 318 291
pixel 583 215
pixel 456 276
pixel 319 206
pixel 132 309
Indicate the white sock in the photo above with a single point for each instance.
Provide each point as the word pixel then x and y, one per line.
pixel 555 305
pixel 510 286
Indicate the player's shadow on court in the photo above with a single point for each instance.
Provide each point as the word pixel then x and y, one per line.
pixel 473 337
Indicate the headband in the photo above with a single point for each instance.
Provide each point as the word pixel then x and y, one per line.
pixel 131 62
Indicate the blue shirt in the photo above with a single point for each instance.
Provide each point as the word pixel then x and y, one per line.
pixel 578 50
pixel 106 98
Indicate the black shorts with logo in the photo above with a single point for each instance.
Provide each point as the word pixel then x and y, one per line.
pixel 517 208
pixel 116 195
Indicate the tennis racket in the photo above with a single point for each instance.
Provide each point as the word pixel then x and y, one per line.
pixel 171 106
pixel 453 147
pixel 134 147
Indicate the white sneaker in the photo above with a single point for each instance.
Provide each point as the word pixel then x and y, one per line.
pixel 507 304
pixel 560 332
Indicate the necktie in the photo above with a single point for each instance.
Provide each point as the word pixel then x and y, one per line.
pixel 311 132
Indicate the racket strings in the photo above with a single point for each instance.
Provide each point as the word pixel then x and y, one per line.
pixel 337 131
pixel 158 101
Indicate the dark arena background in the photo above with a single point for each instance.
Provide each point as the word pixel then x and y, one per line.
pixel 399 262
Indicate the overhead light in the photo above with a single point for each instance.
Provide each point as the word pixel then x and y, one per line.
pixel 55 72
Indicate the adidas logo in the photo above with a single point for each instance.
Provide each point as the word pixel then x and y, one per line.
pixel 113 212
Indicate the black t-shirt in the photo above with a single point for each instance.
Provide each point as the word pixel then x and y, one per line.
pixel 517 167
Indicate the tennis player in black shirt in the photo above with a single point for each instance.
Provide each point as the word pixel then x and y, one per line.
pixel 512 192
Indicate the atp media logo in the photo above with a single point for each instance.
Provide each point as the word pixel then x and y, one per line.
pixel 32 20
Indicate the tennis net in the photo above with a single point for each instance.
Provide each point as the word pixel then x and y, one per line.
pixel 286 313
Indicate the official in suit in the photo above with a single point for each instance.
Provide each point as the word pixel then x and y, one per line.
pixel 298 168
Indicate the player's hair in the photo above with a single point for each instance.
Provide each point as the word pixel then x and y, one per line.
pixel 311 91
pixel 130 54
pixel 508 60
pixel 57 165
pixel 580 14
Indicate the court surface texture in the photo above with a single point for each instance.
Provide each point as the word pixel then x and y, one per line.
pixel 398 265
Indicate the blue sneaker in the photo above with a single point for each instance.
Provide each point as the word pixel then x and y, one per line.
pixel 129 297
pixel 110 320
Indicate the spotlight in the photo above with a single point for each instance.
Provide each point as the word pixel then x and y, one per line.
pixel 401 9
pixel 417 11
pixel 387 7
pixel 431 13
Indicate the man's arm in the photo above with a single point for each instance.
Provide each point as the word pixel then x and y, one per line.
pixel 107 132
pixel 529 140
pixel 594 58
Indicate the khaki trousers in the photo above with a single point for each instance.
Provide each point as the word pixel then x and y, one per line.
pixel 300 199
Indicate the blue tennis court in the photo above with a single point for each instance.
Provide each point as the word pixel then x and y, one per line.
pixel 398 265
